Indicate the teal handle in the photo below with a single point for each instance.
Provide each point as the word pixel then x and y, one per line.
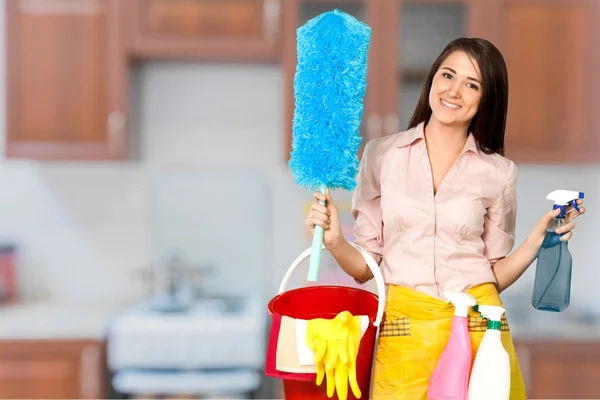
pixel 317 245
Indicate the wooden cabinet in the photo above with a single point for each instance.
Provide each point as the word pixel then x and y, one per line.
pixel 560 370
pixel 551 52
pixel 68 63
pixel 52 369
pixel 548 47
pixel 66 80
pixel 220 30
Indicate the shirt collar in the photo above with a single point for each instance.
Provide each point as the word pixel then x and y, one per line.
pixel 418 132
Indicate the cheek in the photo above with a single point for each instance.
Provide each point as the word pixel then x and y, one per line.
pixel 432 97
pixel 474 101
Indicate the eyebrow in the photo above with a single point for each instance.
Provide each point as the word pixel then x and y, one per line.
pixel 454 72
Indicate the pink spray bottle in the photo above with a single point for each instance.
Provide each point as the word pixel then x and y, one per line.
pixel 450 378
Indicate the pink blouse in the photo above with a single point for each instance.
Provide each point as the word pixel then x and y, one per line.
pixel 434 243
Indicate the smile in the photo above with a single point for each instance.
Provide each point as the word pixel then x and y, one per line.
pixel 449 106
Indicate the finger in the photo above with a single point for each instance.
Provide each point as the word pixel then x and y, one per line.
pixel 328 196
pixel 318 207
pixel 566 227
pixel 318 196
pixel 546 219
pixel 319 217
pixel 341 381
pixel 310 222
pixel 572 216
pixel 330 381
pixel 317 222
pixel 551 215
pixel 566 236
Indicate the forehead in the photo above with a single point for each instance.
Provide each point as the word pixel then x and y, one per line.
pixel 462 64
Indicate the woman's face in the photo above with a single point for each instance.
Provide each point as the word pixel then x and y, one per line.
pixel 456 90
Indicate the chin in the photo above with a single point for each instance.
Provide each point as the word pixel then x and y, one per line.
pixel 444 118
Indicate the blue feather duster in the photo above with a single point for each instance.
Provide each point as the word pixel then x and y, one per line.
pixel 329 87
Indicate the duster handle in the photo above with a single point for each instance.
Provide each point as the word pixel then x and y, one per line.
pixel 317 244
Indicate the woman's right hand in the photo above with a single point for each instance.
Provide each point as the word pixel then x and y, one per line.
pixel 327 217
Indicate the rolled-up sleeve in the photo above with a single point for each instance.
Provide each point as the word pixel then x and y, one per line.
pixel 366 204
pixel 500 221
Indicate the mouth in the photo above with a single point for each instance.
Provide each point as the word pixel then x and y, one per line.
pixel 449 106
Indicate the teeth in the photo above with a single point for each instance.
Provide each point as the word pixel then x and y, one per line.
pixel 450 105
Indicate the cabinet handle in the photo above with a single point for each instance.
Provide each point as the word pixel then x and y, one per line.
pixel 116 127
pixel 271 10
pixel 391 124
pixel 89 372
pixel 374 126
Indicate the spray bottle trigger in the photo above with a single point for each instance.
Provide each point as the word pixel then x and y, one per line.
pixel 575 206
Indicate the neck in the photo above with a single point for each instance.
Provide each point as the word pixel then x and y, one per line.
pixel 445 137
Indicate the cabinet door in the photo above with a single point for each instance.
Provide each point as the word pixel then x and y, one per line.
pixel 219 30
pixel 561 370
pixel 550 49
pixel 52 370
pixel 65 80
pixel 296 13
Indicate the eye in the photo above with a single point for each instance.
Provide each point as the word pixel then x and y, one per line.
pixel 447 75
pixel 473 86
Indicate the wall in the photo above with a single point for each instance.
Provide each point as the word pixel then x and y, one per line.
pixel 84 228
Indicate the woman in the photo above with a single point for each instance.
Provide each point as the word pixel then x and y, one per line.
pixel 436 207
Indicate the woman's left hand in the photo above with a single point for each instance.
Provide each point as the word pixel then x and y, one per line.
pixel 536 237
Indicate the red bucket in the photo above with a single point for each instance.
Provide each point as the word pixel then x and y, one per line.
pixel 326 302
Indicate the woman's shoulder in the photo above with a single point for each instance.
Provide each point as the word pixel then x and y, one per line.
pixel 505 168
pixel 381 145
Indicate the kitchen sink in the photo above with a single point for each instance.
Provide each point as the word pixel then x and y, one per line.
pixel 211 332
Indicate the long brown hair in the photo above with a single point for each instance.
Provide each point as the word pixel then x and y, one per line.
pixel 489 124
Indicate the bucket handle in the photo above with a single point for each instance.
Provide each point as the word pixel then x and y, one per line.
pixel 372 264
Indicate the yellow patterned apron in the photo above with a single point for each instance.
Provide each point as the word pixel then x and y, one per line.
pixel 413 334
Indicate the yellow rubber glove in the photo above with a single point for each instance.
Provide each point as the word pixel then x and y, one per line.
pixel 335 345
pixel 316 341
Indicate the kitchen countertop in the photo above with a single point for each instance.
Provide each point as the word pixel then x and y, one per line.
pixel 558 331
pixel 63 319
pixel 57 319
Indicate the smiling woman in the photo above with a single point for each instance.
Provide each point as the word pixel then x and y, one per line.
pixel 436 206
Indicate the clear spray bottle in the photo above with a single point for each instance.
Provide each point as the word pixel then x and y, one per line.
pixel 552 285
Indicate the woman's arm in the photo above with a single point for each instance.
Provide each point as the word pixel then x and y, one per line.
pixel 507 270
pixel 350 260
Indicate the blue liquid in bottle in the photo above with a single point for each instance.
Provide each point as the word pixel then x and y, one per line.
pixel 552 286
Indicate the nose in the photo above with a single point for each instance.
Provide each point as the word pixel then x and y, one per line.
pixel 454 90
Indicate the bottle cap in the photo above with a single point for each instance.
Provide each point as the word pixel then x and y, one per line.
pixel 461 301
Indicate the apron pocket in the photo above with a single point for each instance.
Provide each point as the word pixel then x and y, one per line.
pixel 479 324
pixel 395 328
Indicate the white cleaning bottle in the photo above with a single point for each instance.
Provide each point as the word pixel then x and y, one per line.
pixel 490 375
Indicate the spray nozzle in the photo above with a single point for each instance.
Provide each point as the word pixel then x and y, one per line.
pixel 461 301
pixel 562 198
pixel 493 314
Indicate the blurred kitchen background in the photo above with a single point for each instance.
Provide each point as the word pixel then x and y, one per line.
pixel 148 213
